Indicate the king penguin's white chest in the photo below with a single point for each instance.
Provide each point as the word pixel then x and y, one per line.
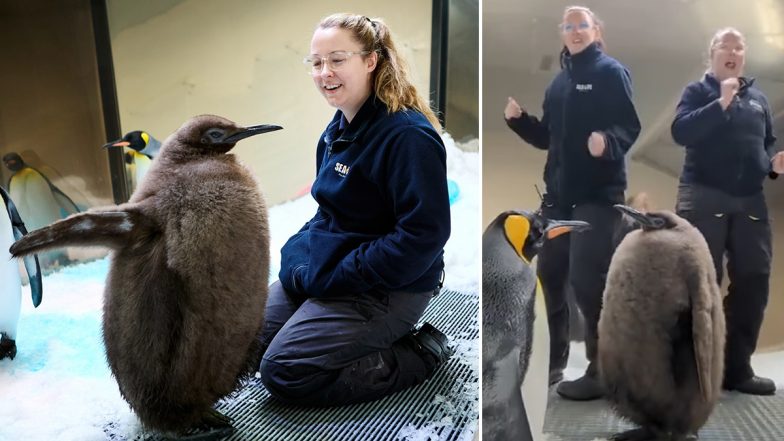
pixel 10 287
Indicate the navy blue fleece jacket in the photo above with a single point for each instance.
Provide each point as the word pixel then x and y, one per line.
pixel 383 215
pixel 592 93
pixel 731 149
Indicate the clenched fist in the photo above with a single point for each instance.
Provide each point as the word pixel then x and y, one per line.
pixel 513 110
pixel 729 88
pixel 596 144
pixel 778 163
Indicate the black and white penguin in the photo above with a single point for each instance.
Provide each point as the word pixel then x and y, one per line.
pixel 187 285
pixel 39 202
pixel 142 148
pixel 11 229
pixel 514 328
pixel 662 329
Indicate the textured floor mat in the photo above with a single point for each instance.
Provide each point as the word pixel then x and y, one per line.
pixel 737 417
pixel 445 408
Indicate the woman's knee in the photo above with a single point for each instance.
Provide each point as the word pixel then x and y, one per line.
pixel 294 384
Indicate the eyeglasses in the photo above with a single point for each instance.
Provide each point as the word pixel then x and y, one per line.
pixel 569 27
pixel 335 60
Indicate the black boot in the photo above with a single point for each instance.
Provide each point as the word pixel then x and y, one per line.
pixel 753 386
pixel 433 345
pixel 584 388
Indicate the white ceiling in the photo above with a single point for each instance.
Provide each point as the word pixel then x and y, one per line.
pixel 663 42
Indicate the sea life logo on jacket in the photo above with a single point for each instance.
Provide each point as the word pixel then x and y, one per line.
pixel 756 106
pixel 584 87
pixel 342 169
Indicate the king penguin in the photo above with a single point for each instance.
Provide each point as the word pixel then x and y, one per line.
pixel 11 229
pixel 514 327
pixel 187 285
pixel 142 149
pixel 38 201
pixel 662 329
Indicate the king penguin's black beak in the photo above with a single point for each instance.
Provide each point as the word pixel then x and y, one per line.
pixel 647 221
pixel 251 131
pixel 556 228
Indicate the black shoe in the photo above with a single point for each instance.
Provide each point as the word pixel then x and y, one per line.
pixel 753 386
pixel 584 388
pixel 556 376
pixel 433 342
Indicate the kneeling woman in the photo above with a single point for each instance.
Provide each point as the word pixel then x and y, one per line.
pixel 357 277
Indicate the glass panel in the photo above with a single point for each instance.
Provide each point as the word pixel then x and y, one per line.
pixel 462 84
pixel 51 113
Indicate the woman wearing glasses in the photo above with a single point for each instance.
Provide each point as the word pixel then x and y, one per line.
pixel 357 277
pixel 588 124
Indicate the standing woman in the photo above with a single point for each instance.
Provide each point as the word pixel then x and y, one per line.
pixel 357 277
pixel 725 124
pixel 588 124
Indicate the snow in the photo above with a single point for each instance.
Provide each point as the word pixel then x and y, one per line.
pixel 60 387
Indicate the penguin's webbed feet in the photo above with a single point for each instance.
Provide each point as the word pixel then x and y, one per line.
pixel 216 420
pixel 214 426
pixel 7 347
pixel 638 434
pixel 648 434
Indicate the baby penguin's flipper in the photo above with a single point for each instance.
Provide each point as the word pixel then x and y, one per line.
pixel 94 228
pixel 702 292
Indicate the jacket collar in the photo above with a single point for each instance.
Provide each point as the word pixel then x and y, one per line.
pixel 711 80
pixel 585 57
pixel 340 130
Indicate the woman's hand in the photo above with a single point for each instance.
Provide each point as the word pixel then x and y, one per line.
pixel 729 88
pixel 778 163
pixel 596 144
pixel 513 110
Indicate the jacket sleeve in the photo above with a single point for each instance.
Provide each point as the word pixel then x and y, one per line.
pixel 530 129
pixel 694 121
pixel 415 179
pixel 622 133
pixel 770 138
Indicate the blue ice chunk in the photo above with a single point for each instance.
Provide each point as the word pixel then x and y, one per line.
pixel 454 191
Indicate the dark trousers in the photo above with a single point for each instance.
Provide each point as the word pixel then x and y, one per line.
pixel 341 350
pixel 739 227
pixel 552 268
pixel 589 259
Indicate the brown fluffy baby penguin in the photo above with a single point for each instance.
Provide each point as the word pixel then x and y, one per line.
pixel 185 294
pixel 661 331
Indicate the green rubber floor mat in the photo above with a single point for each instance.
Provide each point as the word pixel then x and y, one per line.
pixel 737 417
pixel 444 408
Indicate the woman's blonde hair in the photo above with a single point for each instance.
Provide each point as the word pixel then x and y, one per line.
pixel 717 39
pixel 390 78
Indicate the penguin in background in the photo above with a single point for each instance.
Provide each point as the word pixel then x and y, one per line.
pixel 514 329
pixel 662 329
pixel 29 186
pixel 39 202
pixel 142 148
pixel 187 285
pixel 12 228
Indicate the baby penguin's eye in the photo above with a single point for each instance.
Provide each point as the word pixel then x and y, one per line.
pixel 215 134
